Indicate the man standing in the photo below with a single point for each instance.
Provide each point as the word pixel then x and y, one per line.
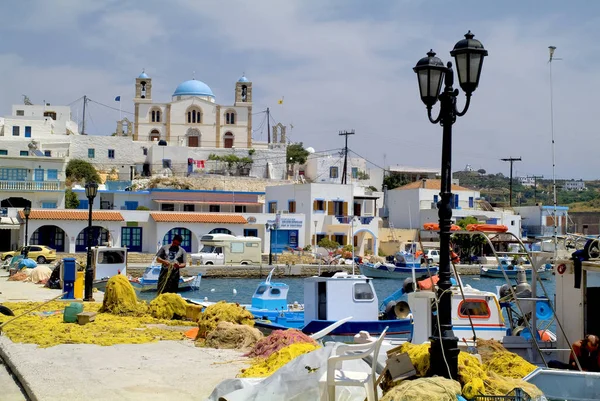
pixel 172 258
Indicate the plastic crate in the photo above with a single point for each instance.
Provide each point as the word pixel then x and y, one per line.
pixel 516 394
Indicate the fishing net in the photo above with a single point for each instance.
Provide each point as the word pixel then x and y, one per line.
pixel 20 276
pixel 232 336
pixel 120 298
pixel 40 274
pixel 505 363
pixel 424 389
pixel 168 306
pixel 265 367
pixel 192 312
pixel 277 340
pixel 491 378
pixel 222 312
pixel 45 327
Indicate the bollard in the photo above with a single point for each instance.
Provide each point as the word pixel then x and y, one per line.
pixel 69 272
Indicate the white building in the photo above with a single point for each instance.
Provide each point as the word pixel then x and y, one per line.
pixel 574 185
pixel 526 181
pixel 539 221
pixel 339 212
pixel 414 204
pixel 329 168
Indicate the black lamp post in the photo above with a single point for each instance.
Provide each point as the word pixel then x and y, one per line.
pixel 26 213
pixel 469 54
pixel 270 228
pixel 91 190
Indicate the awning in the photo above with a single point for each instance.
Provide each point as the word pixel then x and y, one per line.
pixel 9 223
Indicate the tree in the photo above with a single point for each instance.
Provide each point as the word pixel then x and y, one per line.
pixel 296 154
pixel 71 201
pixel 80 170
pixel 468 245
pixel 328 244
pixel 395 180
pixel 362 175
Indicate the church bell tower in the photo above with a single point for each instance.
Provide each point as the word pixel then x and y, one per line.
pixel 243 91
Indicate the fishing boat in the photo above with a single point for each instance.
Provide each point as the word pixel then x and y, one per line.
pixel 149 280
pixel 269 302
pixel 545 272
pixel 404 266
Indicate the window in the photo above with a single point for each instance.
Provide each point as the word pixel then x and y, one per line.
pixel 228 140
pixel 340 239
pixel 3 152
pixel 292 206
pixel 155 116
pixel 47 153
pixel 189 208
pixel 333 172
pixel 230 117
pixel 275 291
pixel 16 129
pixel 91 153
pixel 38 174
pixel 476 308
pixel 250 232
pixel 27 132
pixel 50 114
pixel 214 208
pixel 220 230
pixel 167 207
pixel 237 247
pixel 354 172
pixel 194 116
pixel 48 205
pixel 338 208
pixel 320 237
pixel 111 153
pixel 363 292
pixel 272 207
pixel 13 174
pixel 20 112
pixel 24 153
pixel 240 208
pixel 319 205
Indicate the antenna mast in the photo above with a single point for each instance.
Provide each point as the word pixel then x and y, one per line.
pixel 551 50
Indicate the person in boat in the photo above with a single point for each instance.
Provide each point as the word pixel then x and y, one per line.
pixel 587 354
pixel 172 258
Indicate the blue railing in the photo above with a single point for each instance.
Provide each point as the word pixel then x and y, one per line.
pixel 347 219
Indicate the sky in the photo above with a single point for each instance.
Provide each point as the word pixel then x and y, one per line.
pixel 338 64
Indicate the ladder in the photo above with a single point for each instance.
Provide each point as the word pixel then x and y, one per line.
pixel 393 232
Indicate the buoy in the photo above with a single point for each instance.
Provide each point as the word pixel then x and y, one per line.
pixel 234 291
pixel 542 310
pixel 205 299
pixel 212 290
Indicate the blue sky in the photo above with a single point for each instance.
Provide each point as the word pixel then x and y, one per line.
pixel 339 65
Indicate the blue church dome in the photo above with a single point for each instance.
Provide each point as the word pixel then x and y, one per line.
pixel 193 88
pixel 143 75
pixel 243 79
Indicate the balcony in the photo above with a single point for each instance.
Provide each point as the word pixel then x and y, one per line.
pixel 333 220
pixel 32 186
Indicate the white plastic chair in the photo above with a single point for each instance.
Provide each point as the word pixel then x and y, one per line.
pixel 336 376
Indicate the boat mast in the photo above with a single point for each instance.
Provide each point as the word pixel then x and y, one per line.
pixel 551 49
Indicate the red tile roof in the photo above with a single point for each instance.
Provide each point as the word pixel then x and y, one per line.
pixel 48 214
pixel 431 184
pixel 189 217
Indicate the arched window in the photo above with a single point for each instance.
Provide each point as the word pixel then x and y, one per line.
pixel 220 231
pixel 230 117
pixel 194 116
pixel 154 135
pixel 155 116
pixel 228 140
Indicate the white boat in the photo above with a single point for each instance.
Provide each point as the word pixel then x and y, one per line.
pixel 149 280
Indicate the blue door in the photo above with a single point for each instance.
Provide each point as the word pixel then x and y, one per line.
pixel 131 237
pixel 38 174
pixel 131 205
pixel 185 234
pixel 283 239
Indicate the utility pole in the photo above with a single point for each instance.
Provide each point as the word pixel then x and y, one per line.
pixel 344 176
pixel 511 160
pixel 83 123
pixel 535 178
pixel 268 126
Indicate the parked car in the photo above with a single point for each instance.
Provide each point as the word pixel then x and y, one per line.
pixel 432 256
pixel 39 253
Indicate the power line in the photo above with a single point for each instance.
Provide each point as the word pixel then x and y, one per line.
pixel 345 134
pixel 109 107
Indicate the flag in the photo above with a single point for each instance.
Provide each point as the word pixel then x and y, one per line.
pixel 280 101
pixel 118 99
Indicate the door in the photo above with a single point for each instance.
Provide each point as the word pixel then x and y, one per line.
pixel 38 174
pixel 27 132
pixel 131 237
pixel 284 239
pixel 322 295
pixel 357 207
pixel 193 141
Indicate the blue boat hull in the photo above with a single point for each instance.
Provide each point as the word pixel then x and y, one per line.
pixel 390 271
pixel 287 319
pixel 512 274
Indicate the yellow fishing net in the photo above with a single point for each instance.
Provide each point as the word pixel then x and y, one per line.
pixel 266 367
pixel 232 336
pixel 491 378
pixel 168 306
pixel 45 327
pixel 424 389
pixel 222 312
pixel 120 298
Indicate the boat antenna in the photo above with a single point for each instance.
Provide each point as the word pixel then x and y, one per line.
pixel 551 49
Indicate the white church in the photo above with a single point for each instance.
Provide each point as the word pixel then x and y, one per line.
pixel 192 118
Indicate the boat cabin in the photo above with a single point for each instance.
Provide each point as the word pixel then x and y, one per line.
pixel 108 261
pixel 405 259
pixel 339 296
pixel 270 296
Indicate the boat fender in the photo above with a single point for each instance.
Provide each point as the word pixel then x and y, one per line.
pixel 561 268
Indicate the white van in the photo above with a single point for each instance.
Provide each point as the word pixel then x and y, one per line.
pixel 225 249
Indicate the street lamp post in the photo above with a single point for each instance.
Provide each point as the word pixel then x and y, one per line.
pixel 91 190
pixel 469 54
pixel 270 228
pixel 26 213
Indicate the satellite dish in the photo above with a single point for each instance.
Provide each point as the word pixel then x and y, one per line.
pixel 310 149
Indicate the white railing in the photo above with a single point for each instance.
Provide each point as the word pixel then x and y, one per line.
pixel 31 186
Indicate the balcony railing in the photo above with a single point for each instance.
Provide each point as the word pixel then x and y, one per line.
pixel 347 219
pixel 31 186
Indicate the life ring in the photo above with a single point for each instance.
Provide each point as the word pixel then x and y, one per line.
pixel 494 228
pixel 561 268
